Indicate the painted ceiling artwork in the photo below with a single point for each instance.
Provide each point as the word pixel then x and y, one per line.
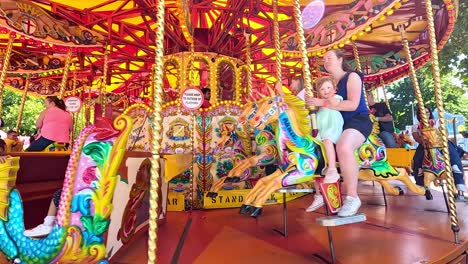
pixel 45 30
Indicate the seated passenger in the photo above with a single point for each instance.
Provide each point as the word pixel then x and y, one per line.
pixel 54 123
pixel 13 144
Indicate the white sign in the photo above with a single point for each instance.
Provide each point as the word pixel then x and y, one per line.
pixel 73 104
pixel 192 98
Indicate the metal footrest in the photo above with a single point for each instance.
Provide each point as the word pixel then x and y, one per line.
pixel 296 190
pixel 338 221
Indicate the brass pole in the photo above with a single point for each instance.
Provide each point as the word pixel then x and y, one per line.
pixel 442 128
pixel 21 110
pixel 156 132
pixel 414 79
pixel 276 36
pixel 6 64
pixel 74 115
pixel 63 84
pixel 248 63
pixel 305 59
pixel 356 57
pixel 102 94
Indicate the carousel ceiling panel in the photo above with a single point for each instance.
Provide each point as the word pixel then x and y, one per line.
pixel 219 26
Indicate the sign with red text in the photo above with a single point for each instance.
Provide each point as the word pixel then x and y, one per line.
pixel 73 104
pixel 192 98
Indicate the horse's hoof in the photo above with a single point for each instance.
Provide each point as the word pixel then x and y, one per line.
pixel 244 209
pixel 228 179
pixel 428 195
pixel 212 194
pixel 256 212
pixel 235 179
pixel 400 191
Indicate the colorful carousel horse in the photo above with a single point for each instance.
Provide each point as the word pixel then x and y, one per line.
pixel 403 139
pixel 83 215
pixel 265 150
pixel 300 156
pixel 433 165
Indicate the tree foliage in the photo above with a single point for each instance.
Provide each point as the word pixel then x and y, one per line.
pixel 11 106
pixel 455 53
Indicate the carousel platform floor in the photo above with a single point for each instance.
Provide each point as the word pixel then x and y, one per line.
pixel 410 230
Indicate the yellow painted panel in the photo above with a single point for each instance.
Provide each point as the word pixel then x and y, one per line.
pixel 400 157
pixel 175 201
pixel 235 198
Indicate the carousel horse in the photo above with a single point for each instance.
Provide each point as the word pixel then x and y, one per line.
pixel 265 151
pixel 85 208
pixel 300 155
pixel 403 139
pixel 433 165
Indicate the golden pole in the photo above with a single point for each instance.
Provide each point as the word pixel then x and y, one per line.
pixel 6 64
pixel 414 79
pixel 156 132
pixel 305 59
pixel 276 36
pixel 358 67
pixel 442 128
pixel 74 115
pixel 102 95
pixel 21 110
pixel 63 84
pixel 248 63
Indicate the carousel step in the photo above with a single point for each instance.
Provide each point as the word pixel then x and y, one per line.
pixel 337 220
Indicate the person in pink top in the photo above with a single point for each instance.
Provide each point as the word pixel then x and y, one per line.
pixel 54 124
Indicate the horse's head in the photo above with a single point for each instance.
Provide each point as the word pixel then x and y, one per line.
pixel 248 112
pixel 267 113
pixel 404 138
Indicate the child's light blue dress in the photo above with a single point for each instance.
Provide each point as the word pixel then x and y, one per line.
pixel 329 123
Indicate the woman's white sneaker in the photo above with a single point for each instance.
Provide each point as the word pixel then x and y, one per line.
pixel 316 204
pixel 350 206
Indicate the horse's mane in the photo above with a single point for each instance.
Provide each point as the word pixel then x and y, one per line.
pixel 297 105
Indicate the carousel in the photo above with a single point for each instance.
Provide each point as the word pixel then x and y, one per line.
pixel 187 146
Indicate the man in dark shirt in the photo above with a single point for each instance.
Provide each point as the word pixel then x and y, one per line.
pixel 385 118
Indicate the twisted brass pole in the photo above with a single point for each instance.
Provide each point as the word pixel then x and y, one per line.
pixel 356 56
pixel 6 64
pixel 305 60
pixel 248 63
pixel 74 115
pixel 21 110
pixel 63 84
pixel 414 79
pixel 156 132
pixel 442 128
pixel 358 66
pixel 303 47
pixel 276 36
pixel 102 95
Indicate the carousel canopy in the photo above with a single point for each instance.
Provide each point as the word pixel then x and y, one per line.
pixel 125 28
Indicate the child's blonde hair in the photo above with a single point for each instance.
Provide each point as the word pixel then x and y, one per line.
pixel 320 81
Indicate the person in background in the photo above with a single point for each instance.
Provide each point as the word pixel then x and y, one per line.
pixel 13 144
pixel 206 97
pixel 385 119
pixel 3 155
pixel 54 124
